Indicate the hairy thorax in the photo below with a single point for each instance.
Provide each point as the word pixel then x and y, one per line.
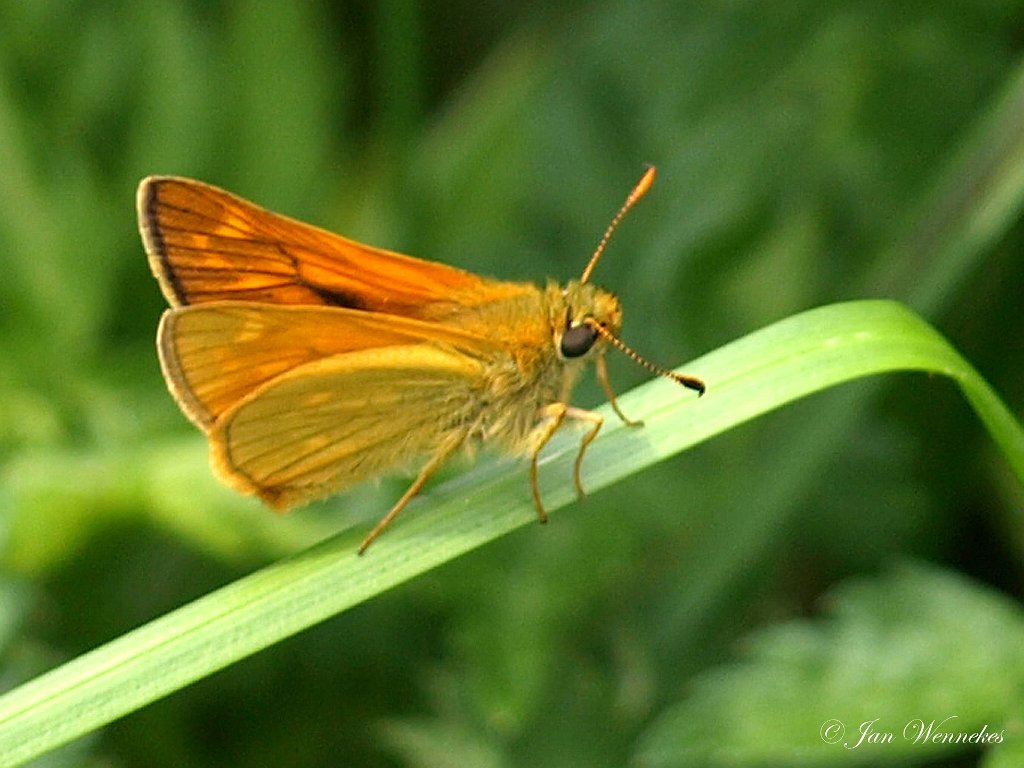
pixel 530 372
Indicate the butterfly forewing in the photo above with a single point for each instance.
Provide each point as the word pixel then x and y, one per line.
pixel 205 245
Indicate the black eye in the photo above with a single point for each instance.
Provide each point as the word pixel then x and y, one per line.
pixel 577 340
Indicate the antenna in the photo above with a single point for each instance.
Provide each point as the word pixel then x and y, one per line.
pixel 638 191
pixel 690 382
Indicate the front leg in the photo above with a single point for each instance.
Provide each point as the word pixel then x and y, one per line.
pixel 552 417
pixel 606 385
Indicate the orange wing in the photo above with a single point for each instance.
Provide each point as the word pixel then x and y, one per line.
pixel 299 402
pixel 337 421
pixel 214 355
pixel 206 245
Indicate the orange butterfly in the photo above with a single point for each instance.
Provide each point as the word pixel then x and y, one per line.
pixel 313 362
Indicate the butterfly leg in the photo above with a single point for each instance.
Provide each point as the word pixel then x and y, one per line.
pixel 554 414
pixel 442 454
pixel 606 385
pixel 597 421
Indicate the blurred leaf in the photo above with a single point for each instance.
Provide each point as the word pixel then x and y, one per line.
pixel 435 745
pixel 54 502
pixel 897 653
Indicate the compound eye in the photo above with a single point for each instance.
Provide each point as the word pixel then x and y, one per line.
pixel 577 340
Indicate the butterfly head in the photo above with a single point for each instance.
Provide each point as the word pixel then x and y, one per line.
pixel 590 314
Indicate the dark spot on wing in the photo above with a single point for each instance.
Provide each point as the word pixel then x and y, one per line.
pixel 337 298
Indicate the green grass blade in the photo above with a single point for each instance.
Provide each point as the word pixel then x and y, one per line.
pixel 790 359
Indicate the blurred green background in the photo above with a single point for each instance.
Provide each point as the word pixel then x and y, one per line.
pixel 800 148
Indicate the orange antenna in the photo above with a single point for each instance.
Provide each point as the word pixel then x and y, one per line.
pixel 638 191
pixel 690 382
